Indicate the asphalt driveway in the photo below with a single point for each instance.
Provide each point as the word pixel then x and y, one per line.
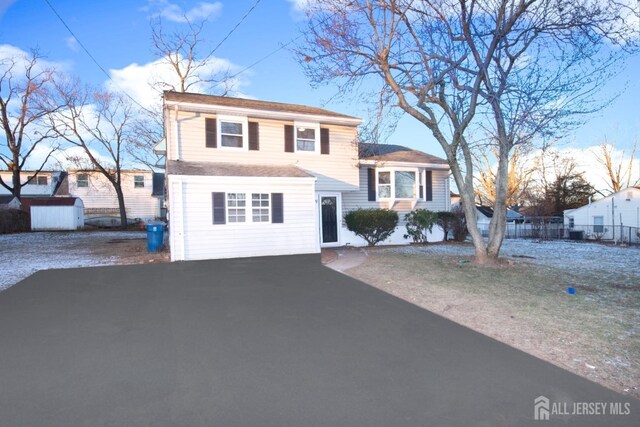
pixel 260 342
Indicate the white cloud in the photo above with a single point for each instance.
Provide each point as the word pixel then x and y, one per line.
pixel 301 5
pixel 11 54
pixel 143 82
pixel 173 12
pixel 72 43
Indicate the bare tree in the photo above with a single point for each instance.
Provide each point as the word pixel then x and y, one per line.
pixel 519 177
pixel 101 123
pixel 181 51
pixel 24 102
pixel 619 172
pixel 192 69
pixel 509 69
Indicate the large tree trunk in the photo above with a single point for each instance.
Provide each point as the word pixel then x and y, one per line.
pixel 121 205
pixel 498 223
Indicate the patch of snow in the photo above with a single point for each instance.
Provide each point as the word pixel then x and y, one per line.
pixel 23 254
pixel 576 257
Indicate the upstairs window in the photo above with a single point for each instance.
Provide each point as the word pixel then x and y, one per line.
pixel 307 137
pixel 138 181
pixel 38 180
pixel 231 134
pixel 82 180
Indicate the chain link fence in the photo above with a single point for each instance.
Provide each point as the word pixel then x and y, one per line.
pixel 553 228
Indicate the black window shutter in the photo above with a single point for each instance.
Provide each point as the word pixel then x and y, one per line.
pixel 371 184
pixel 288 138
pixel 324 141
pixel 211 134
pixel 277 208
pixel 429 186
pixel 219 213
pixel 254 136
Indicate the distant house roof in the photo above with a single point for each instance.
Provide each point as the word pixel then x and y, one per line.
pixel 488 212
pixel 233 169
pixel 62 186
pixel 227 101
pixel 158 184
pixel 54 201
pixel 396 153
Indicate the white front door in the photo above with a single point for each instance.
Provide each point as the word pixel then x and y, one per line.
pixel 330 206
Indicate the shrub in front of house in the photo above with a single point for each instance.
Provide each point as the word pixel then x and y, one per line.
pixel 373 225
pixel 14 221
pixel 419 224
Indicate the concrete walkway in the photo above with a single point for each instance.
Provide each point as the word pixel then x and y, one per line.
pixel 345 258
pixel 280 341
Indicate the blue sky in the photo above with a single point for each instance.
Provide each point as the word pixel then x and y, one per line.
pixel 117 34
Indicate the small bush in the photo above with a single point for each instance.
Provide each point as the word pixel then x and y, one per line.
pixel 14 221
pixel 419 224
pixel 459 229
pixel 446 221
pixel 373 225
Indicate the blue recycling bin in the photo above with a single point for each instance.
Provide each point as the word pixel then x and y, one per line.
pixel 155 236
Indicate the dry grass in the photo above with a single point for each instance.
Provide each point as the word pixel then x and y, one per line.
pixel 594 333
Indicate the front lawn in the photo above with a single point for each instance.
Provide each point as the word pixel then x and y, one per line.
pixel 524 303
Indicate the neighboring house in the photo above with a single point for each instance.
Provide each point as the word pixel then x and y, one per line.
pixel 485 213
pixel 57 213
pixel 615 217
pixel 44 184
pixel 254 178
pixel 143 195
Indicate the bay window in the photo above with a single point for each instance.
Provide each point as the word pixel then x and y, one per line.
pixel 397 184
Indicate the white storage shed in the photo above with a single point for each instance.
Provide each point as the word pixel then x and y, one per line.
pixel 57 213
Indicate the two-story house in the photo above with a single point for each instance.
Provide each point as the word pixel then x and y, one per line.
pixel 143 194
pixel 254 178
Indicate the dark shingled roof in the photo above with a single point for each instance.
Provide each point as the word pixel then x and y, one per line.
pixel 227 101
pixel 54 201
pixel 396 153
pixel 233 169
pixel 158 184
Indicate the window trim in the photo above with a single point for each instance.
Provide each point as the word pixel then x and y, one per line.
pixel 227 207
pixel 135 182
pixel 602 229
pixel 35 179
pixel 243 120
pixel 78 180
pixel 393 170
pixel 316 142
pixel 268 221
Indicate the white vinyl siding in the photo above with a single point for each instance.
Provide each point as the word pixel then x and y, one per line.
pixel 33 188
pixel 622 207
pixel 100 198
pixel 337 171
pixel 194 236
pixel 359 199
